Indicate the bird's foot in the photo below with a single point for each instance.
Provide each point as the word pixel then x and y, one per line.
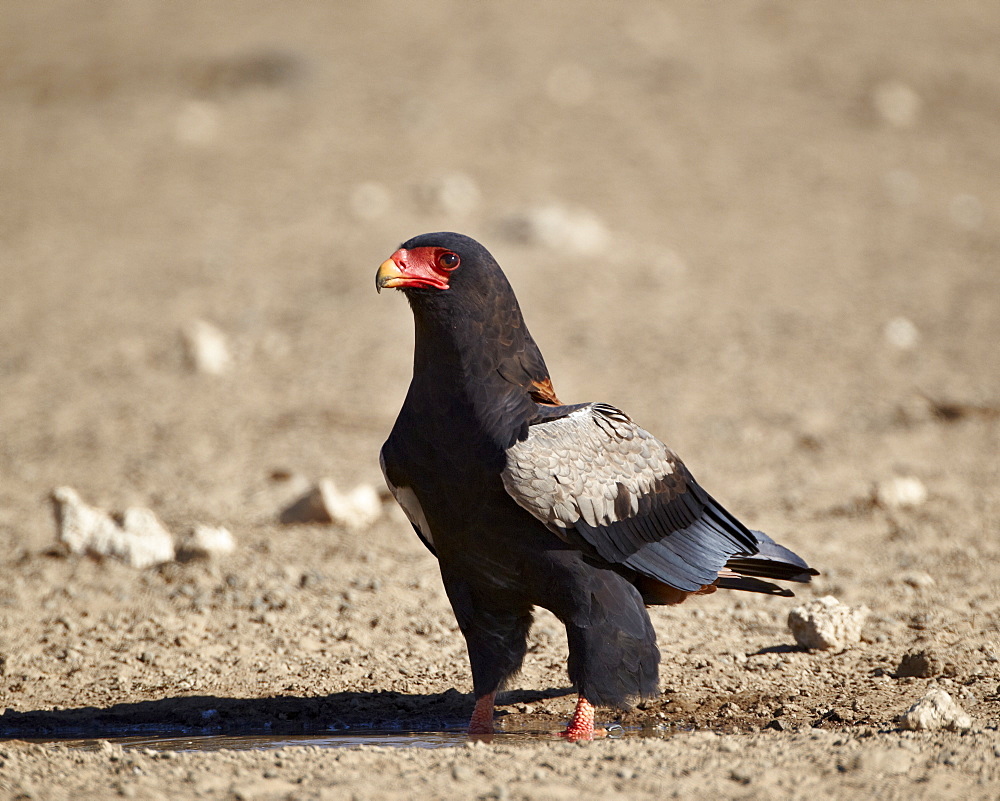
pixel 481 724
pixel 581 726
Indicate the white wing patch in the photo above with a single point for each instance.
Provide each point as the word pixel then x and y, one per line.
pixel 576 467
pixel 407 500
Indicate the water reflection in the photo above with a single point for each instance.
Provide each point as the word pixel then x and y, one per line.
pixel 339 739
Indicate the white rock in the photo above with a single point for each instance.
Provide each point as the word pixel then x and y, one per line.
pixel 80 524
pixel 897 103
pixel 917 578
pixel 826 624
pixel 206 542
pixel 559 228
pixel 355 510
pixel 901 333
pixel 207 348
pixel 140 540
pixel 901 492
pixel 936 710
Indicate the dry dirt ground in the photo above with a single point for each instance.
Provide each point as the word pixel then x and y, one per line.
pixel 767 230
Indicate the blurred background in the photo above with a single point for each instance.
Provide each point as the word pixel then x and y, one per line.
pixel 768 230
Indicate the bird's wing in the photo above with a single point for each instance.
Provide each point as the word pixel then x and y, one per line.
pixel 595 474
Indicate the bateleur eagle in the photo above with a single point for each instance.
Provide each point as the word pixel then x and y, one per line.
pixel 528 502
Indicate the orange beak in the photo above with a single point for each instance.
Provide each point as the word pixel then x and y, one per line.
pixel 389 276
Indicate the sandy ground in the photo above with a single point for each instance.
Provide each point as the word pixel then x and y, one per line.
pixel 767 230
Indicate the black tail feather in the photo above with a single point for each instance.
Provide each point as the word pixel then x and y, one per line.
pixel 748 584
pixel 772 561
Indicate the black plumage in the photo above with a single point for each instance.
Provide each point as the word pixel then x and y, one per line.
pixel 528 502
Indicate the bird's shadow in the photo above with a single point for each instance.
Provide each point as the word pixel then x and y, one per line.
pixel 207 714
pixel 780 649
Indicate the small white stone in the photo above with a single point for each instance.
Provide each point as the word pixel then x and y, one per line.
pixel 897 103
pixel 901 333
pixel 140 541
pixel 559 228
pixel 936 710
pixel 917 578
pixel 207 348
pixel 355 510
pixel 80 524
pixel 901 492
pixel 827 624
pixel 206 542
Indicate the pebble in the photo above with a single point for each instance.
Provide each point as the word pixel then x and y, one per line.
pixel 901 492
pixel 917 579
pixel 140 540
pixel 936 710
pixel 206 542
pixel 558 227
pixel 207 348
pixel 356 510
pixel 826 624
pixel 901 333
pixel 897 103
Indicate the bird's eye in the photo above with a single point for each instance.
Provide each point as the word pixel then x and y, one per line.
pixel 448 260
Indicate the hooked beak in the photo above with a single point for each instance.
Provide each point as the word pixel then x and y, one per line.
pixel 389 275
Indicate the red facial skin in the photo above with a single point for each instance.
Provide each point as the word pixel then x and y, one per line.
pixel 423 268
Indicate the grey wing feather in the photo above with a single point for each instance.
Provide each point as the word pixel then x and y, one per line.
pixel 595 473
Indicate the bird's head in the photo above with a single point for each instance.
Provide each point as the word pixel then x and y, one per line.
pixel 445 264
pixel 466 314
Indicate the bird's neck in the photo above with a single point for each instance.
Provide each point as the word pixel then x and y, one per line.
pixel 455 372
pixel 455 346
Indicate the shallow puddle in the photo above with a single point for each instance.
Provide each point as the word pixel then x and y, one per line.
pixel 339 739
pixel 253 742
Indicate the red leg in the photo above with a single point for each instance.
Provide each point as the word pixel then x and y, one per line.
pixel 482 716
pixel 581 727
